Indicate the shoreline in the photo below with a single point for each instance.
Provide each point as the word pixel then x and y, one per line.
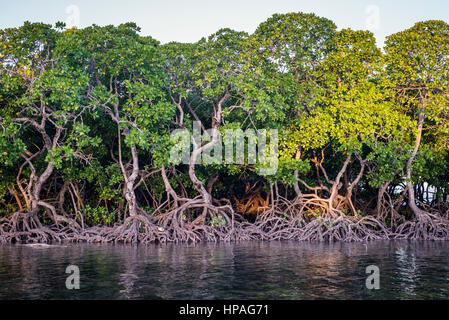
pixel 341 229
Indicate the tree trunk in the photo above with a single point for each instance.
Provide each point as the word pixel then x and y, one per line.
pixel 336 185
pixel 411 191
pixel 354 184
pixel 130 195
pixel 198 149
pixel 168 188
pixel 380 196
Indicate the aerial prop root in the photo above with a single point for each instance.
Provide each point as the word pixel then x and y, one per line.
pixel 426 226
pixel 134 229
pixel 26 227
pixel 212 222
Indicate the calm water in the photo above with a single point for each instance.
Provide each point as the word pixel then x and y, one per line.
pixel 276 270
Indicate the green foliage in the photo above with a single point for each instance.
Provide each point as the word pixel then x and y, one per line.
pixel 217 222
pixel 98 216
pixel 87 106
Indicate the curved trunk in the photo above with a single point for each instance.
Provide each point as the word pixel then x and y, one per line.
pixel 168 188
pixel 130 195
pixel 196 182
pixel 336 184
pixel 380 196
pixel 411 191
pixel 354 184
pixel 211 183
pixel 197 150
pixel 35 198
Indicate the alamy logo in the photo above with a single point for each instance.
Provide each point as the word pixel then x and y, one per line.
pixel 73 280
pixel 232 146
pixel 373 280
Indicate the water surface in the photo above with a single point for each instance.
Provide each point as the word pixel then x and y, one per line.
pixel 250 270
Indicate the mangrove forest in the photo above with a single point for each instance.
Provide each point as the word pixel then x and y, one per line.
pixel 109 136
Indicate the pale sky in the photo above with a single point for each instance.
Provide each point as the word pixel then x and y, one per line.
pixel 189 21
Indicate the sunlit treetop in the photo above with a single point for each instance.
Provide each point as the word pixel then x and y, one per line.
pixel 296 41
pixel 419 56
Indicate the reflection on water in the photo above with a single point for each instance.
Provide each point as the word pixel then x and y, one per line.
pixel 254 270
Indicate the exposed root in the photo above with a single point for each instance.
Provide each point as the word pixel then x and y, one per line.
pixel 304 219
pixel 213 223
pixel 426 226
pixel 26 227
pixel 135 229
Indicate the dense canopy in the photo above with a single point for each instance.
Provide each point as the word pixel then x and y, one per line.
pixel 355 138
